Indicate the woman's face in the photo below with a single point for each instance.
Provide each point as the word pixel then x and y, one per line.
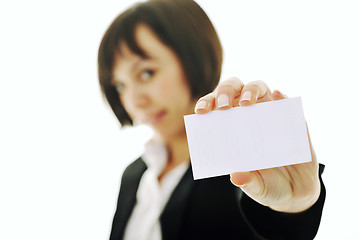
pixel 153 90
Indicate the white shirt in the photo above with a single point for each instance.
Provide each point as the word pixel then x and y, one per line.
pixel 152 196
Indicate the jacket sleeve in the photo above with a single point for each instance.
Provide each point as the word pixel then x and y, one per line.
pixel 269 224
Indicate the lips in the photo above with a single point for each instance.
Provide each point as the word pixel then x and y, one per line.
pixel 153 118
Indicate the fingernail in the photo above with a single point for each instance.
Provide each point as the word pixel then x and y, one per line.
pixel 200 105
pixel 277 93
pixel 240 186
pixel 246 96
pixel 223 100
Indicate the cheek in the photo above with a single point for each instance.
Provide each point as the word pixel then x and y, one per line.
pixel 127 105
pixel 175 91
pixel 176 84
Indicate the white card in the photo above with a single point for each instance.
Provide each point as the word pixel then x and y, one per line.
pixel 264 135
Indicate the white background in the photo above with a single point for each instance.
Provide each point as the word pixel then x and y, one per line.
pixel 62 151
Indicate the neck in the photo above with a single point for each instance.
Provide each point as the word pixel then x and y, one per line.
pixel 177 147
pixel 178 152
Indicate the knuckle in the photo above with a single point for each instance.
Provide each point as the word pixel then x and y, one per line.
pixel 235 80
pixel 225 88
pixel 260 87
pixel 230 87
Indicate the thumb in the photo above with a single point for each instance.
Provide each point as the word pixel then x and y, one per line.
pixel 250 182
pixel 240 179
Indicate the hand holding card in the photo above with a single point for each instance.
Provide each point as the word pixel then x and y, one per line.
pixel 265 145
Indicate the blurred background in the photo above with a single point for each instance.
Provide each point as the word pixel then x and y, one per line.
pixel 62 151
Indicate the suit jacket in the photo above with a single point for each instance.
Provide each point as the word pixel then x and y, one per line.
pixel 214 208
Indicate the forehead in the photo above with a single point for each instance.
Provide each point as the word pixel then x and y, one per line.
pixel 149 43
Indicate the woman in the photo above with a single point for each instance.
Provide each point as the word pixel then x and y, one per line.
pixel 158 61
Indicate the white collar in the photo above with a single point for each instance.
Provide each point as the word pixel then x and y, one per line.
pixel 155 156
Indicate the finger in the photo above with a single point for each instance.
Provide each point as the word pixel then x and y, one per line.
pixel 277 95
pixel 223 97
pixel 255 92
pixel 228 93
pixel 205 104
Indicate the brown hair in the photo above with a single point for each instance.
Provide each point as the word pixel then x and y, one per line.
pixel 181 25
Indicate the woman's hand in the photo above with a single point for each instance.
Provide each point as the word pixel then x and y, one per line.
pixel 293 188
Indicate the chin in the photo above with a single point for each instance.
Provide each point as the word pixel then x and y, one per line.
pixel 167 134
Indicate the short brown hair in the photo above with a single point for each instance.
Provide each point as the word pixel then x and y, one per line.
pixel 181 25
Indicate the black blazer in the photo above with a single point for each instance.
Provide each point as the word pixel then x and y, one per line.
pixel 214 208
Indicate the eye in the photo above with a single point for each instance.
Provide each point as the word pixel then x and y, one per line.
pixel 146 74
pixel 120 87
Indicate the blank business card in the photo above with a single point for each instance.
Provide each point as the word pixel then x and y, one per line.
pixel 264 135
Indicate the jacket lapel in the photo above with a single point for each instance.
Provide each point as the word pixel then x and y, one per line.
pixel 172 215
pixel 127 197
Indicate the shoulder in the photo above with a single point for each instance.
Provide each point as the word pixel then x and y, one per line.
pixel 131 178
pixel 134 170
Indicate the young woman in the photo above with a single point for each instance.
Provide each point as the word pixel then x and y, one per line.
pixel 159 61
